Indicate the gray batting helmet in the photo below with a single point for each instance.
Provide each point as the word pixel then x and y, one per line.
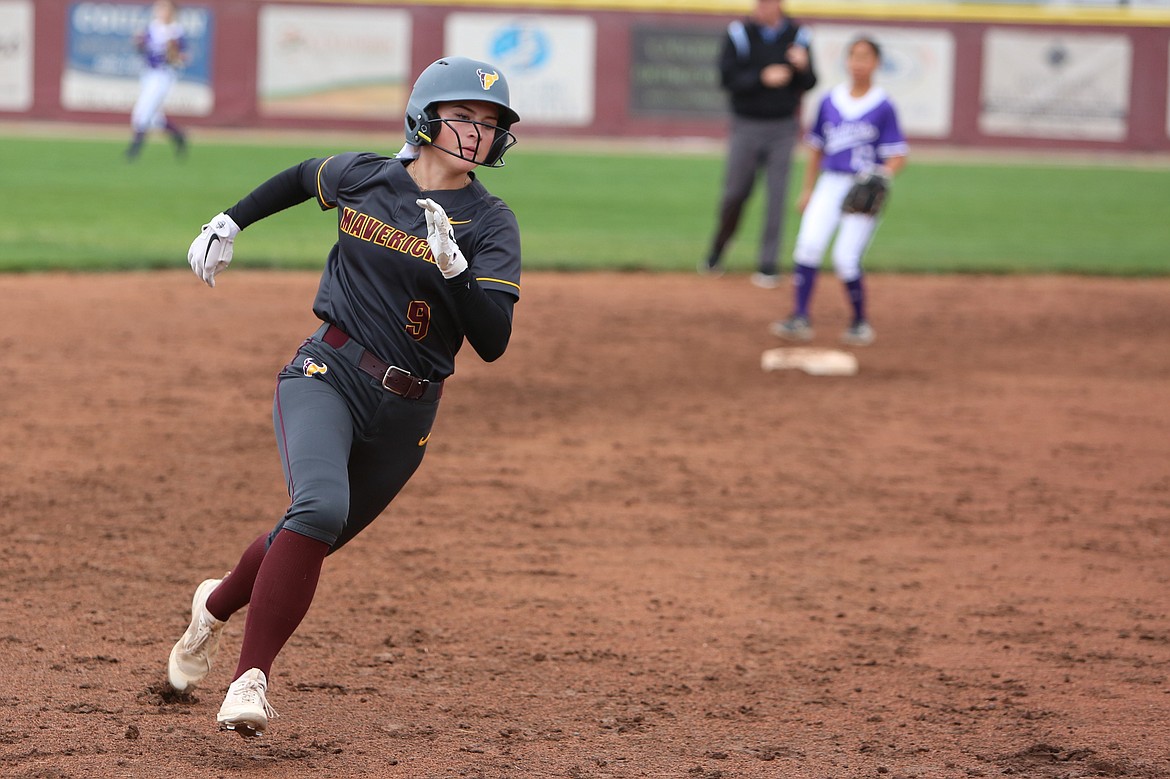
pixel 459 78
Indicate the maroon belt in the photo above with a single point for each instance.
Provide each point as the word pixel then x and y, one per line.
pixel 392 378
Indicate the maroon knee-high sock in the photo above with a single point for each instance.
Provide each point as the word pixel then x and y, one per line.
pixel 284 588
pixel 234 592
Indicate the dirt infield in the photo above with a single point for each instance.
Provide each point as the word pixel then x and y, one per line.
pixel 629 553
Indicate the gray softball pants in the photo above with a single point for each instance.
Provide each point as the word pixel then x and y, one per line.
pixel 756 144
pixel 347 445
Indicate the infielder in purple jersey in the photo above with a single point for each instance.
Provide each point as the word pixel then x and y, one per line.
pixel 856 132
pixel 425 257
pixel 163 47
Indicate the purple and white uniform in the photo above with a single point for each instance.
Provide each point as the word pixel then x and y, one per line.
pixel 156 44
pixel 854 134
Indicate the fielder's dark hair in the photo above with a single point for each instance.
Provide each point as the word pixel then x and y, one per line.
pixel 868 41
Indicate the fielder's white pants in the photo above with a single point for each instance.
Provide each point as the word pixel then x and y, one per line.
pixel 156 84
pixel 822 217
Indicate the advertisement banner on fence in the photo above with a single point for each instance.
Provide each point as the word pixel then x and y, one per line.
pixel 102 65
pixel 16 55
pixel 343 63
pixel 674 71
pixel 917 70
pixel 547 60
pixel 1055 85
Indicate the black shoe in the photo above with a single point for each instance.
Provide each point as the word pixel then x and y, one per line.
pixel 711 266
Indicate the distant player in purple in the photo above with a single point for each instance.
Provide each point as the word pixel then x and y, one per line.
pixel 163 47
pixel 856 131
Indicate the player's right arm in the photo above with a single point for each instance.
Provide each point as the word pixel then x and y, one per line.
pixel 815 143
pixel 211 251
pixel 284 190
pixel 812 169
pixel 318 178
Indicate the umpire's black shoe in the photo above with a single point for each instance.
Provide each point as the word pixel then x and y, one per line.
pixel 710 266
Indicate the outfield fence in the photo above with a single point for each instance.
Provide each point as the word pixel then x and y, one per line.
pixel 1052 76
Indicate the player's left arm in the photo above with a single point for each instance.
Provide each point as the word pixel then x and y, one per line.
pixel 891 146
pixel 177 51
pixel 894 165
pixel 485 313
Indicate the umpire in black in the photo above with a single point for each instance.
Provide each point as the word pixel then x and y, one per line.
pixel 766 66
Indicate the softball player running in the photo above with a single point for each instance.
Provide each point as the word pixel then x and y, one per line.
pixel 856 133
pixel 404 285
pixel 163 47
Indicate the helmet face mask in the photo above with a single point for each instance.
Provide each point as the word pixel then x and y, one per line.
pixel 501 140
pixel 459 79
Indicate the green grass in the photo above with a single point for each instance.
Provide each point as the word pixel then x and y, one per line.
pixel 78 205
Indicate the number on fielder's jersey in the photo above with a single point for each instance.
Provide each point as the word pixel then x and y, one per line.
pixel 863 158
pixel 418 318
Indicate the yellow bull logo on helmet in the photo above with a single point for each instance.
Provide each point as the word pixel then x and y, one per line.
pixel 487 79
pixel 311 367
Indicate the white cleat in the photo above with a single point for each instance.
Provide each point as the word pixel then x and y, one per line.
pixel 245 709
pixel 191 657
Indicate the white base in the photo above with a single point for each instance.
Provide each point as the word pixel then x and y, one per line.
pixel 811 360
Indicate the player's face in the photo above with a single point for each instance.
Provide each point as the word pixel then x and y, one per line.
pixel 861 62
pixel 468 129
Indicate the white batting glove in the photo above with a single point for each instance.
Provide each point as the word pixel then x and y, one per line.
pixel 441 238
pixel 211 251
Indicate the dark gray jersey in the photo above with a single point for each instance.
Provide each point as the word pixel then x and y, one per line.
pixel 381 284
